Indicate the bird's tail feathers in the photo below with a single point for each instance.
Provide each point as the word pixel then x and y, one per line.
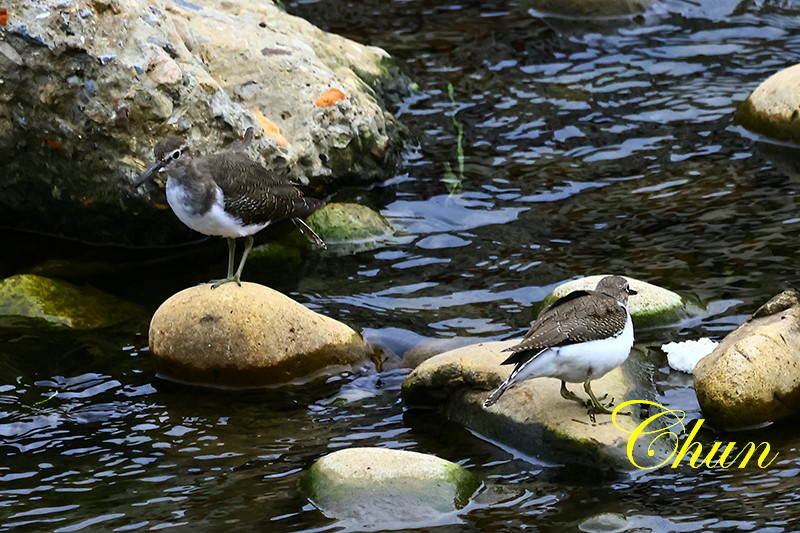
pixel 308 232
pixel 494 396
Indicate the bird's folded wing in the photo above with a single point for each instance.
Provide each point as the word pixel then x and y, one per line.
pixel 572 321
pixel 255 193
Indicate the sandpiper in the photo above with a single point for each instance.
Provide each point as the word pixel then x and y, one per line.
pixel 580 337
pixel 228 195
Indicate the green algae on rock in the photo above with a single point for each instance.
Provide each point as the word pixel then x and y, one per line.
pixel 373 487
pixel 60 303
pixel 348 227
pixel 652 306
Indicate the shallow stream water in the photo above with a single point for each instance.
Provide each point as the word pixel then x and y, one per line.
pixel 589 146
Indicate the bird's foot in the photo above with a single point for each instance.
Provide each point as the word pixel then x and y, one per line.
pixel 217 282
pixel 569 395
pixel 599 407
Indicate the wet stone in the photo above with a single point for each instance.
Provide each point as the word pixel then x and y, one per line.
pixel 60 303
pixel 377 488
pixel 248 336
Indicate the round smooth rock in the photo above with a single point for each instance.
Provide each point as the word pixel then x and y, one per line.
pixel 381 487
pixel 753 376
pixel 651 306
pixel 247 336
pixel 773 108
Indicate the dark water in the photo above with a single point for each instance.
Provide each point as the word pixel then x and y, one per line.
pixel 589 147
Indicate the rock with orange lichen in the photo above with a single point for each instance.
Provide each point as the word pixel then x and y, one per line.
pixel 89 86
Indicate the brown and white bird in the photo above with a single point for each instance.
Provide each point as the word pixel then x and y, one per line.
pixel 578 338
pixel 228 195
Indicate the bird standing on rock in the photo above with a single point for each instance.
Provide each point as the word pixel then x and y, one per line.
pixel 578 338
pixel 228 195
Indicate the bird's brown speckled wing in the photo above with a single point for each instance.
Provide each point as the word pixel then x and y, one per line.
pixel 255 193
pixel 565 322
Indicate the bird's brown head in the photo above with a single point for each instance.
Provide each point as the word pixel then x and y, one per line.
pixel 617 287
pixel 166 152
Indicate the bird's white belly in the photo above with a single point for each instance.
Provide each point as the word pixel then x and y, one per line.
pixel 215 221
pixel 577 363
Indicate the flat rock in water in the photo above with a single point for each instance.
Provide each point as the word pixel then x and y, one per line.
pixel 772 108
pixel 24 297
pixel 532 417
pixel 753 376
pixel 248 336
pixel 377 488
pixel 652 306
pixel 90 87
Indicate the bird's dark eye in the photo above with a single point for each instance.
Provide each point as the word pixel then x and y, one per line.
pixel 176 154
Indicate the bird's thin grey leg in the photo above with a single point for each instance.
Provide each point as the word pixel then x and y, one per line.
pixel 597 407
pixel 231 255
pixel 569 395
pixel 248 245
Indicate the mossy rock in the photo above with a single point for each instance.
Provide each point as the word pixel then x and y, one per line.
pixel 374 487
pixel 351 225
pixel 60 303
pixel 284 253
pixel 652 306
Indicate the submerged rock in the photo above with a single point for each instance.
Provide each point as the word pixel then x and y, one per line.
pixel 753 376
pixel 589 8
pixel 248 336
pixel 532 417
pixel 60 303
pixel 89 88
pixel 773 108
pixel 431 347
pixel 376 488
pixel 652 306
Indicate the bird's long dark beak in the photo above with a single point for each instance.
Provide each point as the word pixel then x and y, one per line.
pixel 631 292
pixel 149 174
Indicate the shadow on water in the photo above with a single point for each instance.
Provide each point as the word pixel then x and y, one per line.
pixel 588 148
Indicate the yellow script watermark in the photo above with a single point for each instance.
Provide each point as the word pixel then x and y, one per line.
pixel 658 428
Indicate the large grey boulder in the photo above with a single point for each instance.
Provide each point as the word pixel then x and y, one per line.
pixel 248 336
pixel 90 86
pixel 532 417
pixel 377 488
pixel 773 108
pixel 753 376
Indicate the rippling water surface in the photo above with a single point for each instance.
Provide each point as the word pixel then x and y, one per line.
pixel 589 147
